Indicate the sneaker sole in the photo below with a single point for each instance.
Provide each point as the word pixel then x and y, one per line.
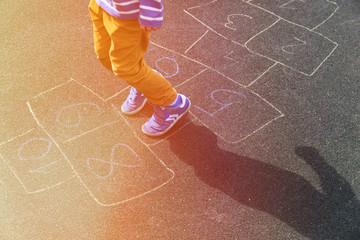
pixel 136 111
pixel 168 129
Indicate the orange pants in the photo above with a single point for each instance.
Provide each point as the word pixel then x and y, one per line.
pixel 120 46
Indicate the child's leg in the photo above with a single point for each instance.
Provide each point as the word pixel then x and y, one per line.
pixel 128 47
pixel 102 39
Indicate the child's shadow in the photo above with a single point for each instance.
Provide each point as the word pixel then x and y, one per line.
pixel 333 214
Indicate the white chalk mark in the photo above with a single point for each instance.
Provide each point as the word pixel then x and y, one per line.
pixel 118 93
pixel 208 27
pixel 229 58
pixel 325 59
pixel 187 80
pixel 77 123
pixel 256 130
pixel 112 163
pixel 261 75
pixel 270 26
pixel 37 157
pixel 92 130
pixel 192 45
pixel 244 137
pixel 42 168
pixel 293 45
pixel 166 74
pixel 201 5
pixel 281 18
pixel 13 138
pixel 229 22
pixel 337 7
pixel 224 105
pixel 97 95
pixel 285 5
pixel 51 89
pixel 23 185
pixel 200 63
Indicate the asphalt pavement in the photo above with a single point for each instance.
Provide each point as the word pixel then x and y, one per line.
pixel 269 150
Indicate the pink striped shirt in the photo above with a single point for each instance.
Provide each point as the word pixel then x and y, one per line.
pixel 149 12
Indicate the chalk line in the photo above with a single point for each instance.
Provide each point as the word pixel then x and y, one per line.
pixel 92 130
pixel 192 45
pixel 293 45
pixel 267 28
pixel 13 138
pixel 35 158
pixel 201 5
pixel 205 25
pixel 287 3
pixel 79 116
pixel 52 89
pixel 259 128
pixel 40 169
pixel 264 9
pixel 231 22
pixel 241 139
pixel 200 63
pixel 261 75
pixel 189 79
pixel 118 93
pixel 337 7
pixel 301 26
pixel 23 185
pixel 89 90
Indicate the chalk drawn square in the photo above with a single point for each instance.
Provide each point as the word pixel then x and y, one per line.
pixel 114 165
pixel 70 110
pixel 234 20
pixel 174 67
pixel 36 161
pixel 136 121
pixel 293 46
pixel 231 111
pixel 310 14
pixel 229 58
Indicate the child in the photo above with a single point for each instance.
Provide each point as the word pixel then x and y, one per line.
pixel 121 36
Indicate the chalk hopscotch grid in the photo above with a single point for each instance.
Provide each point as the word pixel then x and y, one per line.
pixel 92 130
pixel 75 137
pixel 148 145
pixel 267 28
pixel 246 87
pixel 245 45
